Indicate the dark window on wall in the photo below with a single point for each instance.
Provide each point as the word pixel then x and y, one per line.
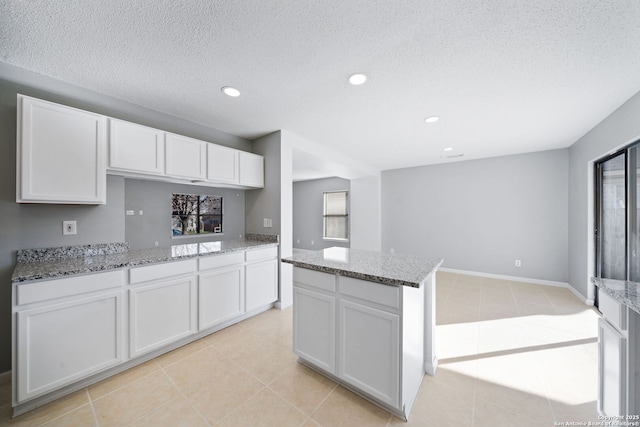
pixel 336 215
pixel 193 214
pixel 618 209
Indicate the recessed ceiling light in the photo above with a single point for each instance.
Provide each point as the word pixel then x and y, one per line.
pixel 432 119
pixel 448 149
pixel 230 91
pixel 357 79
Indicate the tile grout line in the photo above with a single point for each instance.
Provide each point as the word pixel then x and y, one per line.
pixel 150 412
pixel 234 410
pixel 184 396
pixel 291 403
pixel 322 402
pixel 43 423
pixel 93 408
pixel 124 385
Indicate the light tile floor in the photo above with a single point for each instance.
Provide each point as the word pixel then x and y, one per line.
pixel 510 353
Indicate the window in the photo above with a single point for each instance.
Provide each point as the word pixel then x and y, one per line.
pixel 336 215
pixel 193 215
pixel 618 208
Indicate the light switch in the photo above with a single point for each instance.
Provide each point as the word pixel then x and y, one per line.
pixel 130 212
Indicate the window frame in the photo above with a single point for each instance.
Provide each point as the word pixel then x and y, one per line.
pixel 631 154
pixel 198 217
pixel 324 216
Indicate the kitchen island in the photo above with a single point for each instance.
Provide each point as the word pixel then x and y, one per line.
pixel 367 320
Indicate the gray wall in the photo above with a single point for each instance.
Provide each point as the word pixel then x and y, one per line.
pixel 482 215
pixel 39 225
pixel 154 199
pixel 265 202
pixel 365 213
pixel 308 205
pixel 274 201
pixel 620 128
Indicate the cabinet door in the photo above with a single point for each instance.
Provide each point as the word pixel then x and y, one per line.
pixel 261 282
pixel 60 154
pixel 185 157
pixel 59 344
pixel 369 349
pixel 251 170
pixel 612 370
pixel 135 148
pixel 161 313
pixel 222 164
pixel 220 296
pixel 314 326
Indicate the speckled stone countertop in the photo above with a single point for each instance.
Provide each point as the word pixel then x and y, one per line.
pixel 623 291
pixel 45 266
pixel 390 269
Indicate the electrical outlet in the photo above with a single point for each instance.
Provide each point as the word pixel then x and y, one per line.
pixel 393 251
pixel 518 263
pixel 69 228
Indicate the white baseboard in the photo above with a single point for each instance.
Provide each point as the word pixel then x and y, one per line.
pixel 5 377
pixel 522 279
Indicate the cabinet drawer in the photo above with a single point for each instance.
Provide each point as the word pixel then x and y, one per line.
pixel 315 279
pixel 613 311
pixel 161 271
pixel 260 254
pixel 51 289
pixel 224 260
pixel 369 291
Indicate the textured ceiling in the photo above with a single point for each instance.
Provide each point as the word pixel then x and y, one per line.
pixel 504 76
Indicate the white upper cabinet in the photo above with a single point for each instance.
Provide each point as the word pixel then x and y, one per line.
pixel 222 164
pixel 185 157
pixel 251 170
pixel 135 148
pixel 60 154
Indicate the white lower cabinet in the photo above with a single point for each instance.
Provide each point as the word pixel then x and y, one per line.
pixel 60 343
pixel 618 361
pixel 357 332
pixel 220 296
pixel 161 313
pixel 314 337
pixel 369 350
pixel 261 284
pixel 612 370
pixel 68 329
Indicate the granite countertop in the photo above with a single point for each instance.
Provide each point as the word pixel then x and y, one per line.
pixel 34 264
pixel 390 269
pixel 622 291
